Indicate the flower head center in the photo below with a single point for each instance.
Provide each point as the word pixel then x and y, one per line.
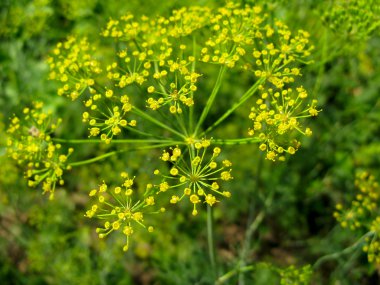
pixel 194 178
pixel 174 95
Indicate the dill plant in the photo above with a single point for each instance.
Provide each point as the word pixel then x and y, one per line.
pixel 363 216
pixel 150 96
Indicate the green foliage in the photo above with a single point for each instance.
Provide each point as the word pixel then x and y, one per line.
pixel 353 20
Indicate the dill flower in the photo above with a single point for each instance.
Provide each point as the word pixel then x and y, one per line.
pixel 363 207
pixel 363 215
pixel 119 210
pixel 30 144
pixel 111 122
pixel 165 71
pixel 158 59
pixel 153 79
pixel 195 174
pixel 181 23
pixel 276 115
pixel 155 58
pixel 245 35
pixel 73 65
pixel 179 92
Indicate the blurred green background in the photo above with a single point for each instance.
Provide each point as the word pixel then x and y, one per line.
pixel 50 242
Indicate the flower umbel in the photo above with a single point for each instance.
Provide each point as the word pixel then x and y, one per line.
pixel 277 114
pixel 195 174
pixel 363 215
pixel 30 144
pixel 73 65
pixel 109 123
pixel 119 210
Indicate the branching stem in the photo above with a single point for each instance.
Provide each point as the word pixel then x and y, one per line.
pixel 211 99
pixel 241 101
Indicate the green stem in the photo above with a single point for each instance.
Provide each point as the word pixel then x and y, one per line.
pixel 243 99
pixel 156 122
pixel 253 225
pixel 211 99
pixel 191 108
pixel 210 239
pixel 347 250
pixel 233 272
pixel 181 123
pixel 91 160
pixel 136 131
pixel 236 141
pixel 251 230
pixel 118 141
pixel 249 233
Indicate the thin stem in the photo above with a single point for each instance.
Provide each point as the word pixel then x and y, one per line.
pixel 243 99
pixel 210 240
pixel 191 108
pixel 251 230
pixel 253 224
pixel 233 272
pixel 155 121
pixel 347 250
pixel 156 146
pixel 211 99
pixel 116 141
pixel 139 132
pixel 236 141
pixel 181 123
pixel 91 160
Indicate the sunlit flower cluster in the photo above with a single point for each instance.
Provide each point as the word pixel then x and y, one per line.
pixel 149 91
pixel 179 92
pixel 276 115
pixel 73 65
pixel 363 216
pixel 195 174
pixel 161 57
pixel 169 82
pixel 108 123
pixel 275 60
pixel 30 144
pixel 155 58
pixel 243 34
pixel 119 209
pixel 181 23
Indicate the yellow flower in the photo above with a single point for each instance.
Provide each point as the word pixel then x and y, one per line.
pixel 196 173
pixel 120 212
pixel 30 144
